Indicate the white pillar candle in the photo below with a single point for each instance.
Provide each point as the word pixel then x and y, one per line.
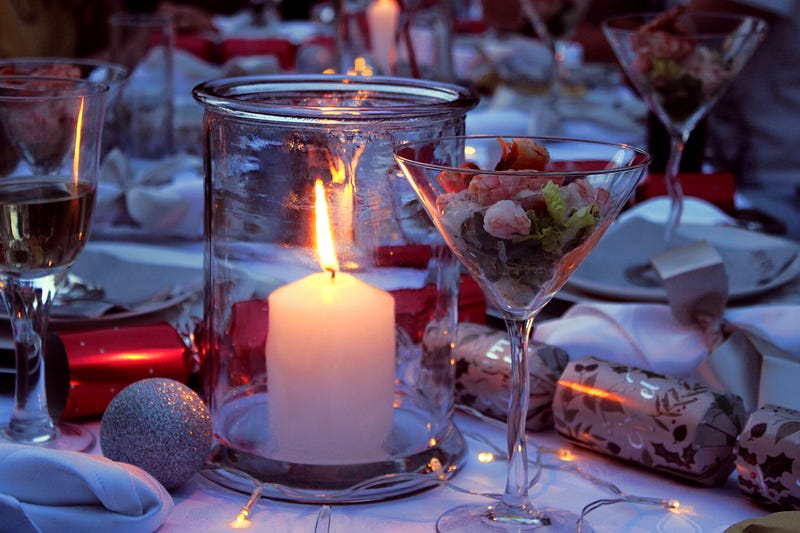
pixel 382 17
pixel 330 370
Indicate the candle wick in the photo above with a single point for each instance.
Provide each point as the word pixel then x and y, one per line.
pixel 332 271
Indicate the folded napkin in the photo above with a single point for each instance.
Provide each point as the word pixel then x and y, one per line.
pixel 649 336
pixel 162 197
pixel 43 490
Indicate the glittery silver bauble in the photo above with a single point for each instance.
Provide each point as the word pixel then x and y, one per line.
pixel 160 425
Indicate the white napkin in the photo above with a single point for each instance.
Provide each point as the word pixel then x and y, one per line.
pixel 175 209
pixel 43 490
pixel 648 336
pixel 163 197
pixel 695 211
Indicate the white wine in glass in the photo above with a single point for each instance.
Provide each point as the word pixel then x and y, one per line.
pixel 51 128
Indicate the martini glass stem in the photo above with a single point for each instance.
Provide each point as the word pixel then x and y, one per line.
pixel 515 506
pixel 672 182
pixel 29 302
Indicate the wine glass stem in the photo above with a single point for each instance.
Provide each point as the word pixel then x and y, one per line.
pixel 673 185
pixel 29 302
pixel 515 500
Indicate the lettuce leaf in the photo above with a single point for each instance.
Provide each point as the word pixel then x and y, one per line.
pixel 558 229
pixel 556 207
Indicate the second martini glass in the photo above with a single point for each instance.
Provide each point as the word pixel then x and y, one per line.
pixel 681 62
pixel 555 21
pixel 520 216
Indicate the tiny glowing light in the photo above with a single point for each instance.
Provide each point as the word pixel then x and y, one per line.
pixel 360 68
pixel 432 442
pixel 469 150
pixel 486 457
pixel 436 467
pixel 242 519
pixel 566 455
pixel 674 505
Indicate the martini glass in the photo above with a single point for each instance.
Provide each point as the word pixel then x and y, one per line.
pixel 555 21
pixel 520 228
pixel 681 62
pixel 51 129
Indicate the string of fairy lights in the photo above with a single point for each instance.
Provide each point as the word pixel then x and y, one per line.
pixel 564 461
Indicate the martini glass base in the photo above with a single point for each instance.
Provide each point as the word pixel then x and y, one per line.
pixel 479 518
pixel 69 437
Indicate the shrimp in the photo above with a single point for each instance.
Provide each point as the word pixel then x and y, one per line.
pixel 456 181
pixel 506 220
pixel 580 193
pixel 487 189
pixel 522 154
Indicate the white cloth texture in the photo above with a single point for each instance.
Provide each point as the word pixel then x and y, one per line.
pixel 44 490
pixel 648 336
pixel 162 197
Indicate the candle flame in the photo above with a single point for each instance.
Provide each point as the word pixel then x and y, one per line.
pixel 327 254
pixel 76 160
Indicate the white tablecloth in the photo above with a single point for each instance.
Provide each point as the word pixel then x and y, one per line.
pixel 203 506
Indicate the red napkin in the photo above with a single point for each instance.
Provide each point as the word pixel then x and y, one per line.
pixel 717 188
pixel 237 47
pixel 197 45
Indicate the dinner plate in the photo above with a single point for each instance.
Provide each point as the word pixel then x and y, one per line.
pixel 136 280
pixel 618 267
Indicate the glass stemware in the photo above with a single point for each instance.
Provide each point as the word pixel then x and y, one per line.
pixel 95 70
pixel 555 21
pixel 681 62
pixel 51 129
pixel 520 228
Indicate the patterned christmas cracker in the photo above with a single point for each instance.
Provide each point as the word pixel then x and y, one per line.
pixel 768 457
pixel 483 373
pixel 661 422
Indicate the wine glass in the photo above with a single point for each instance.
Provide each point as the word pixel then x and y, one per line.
pixel 51 130
pixel 681 62
pixel 112 74
pixel 520 228
pixel 555 21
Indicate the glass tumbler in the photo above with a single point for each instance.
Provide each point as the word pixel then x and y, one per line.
pixel 143 114
pixel 331 302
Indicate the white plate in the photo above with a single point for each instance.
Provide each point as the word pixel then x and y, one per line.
pixel 755 263
pixel 141 279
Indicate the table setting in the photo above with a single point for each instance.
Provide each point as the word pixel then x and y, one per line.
pixel 379 301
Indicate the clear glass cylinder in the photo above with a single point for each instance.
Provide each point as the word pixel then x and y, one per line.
pixel 326 383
